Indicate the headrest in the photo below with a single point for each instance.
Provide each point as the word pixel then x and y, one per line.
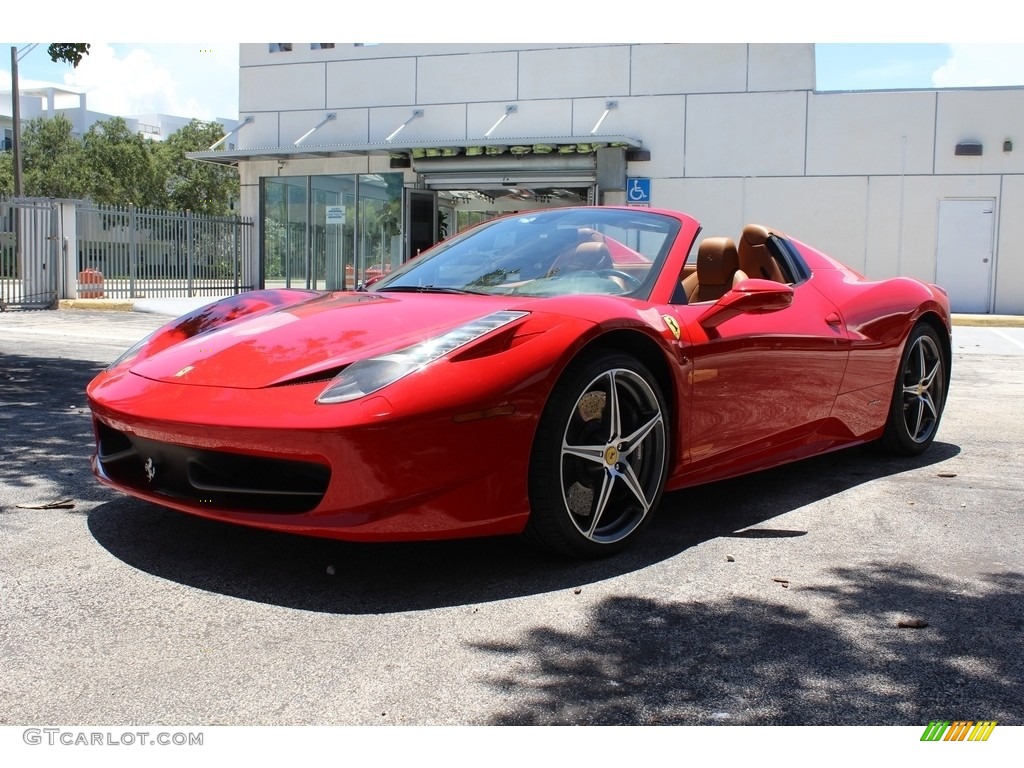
pixel 717 261
pixel 592 255
pixel 754 234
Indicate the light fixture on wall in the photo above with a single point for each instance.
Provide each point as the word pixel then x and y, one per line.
pixel 970 148
pixel 1007 146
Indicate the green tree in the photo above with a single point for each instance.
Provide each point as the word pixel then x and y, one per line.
pixel 192 185
pixel 52 159
pixel 113 165
pixel 123 166
pixel 72 53
pixel 6 174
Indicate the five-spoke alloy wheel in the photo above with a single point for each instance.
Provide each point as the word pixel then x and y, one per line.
pixel 919 394
pixel 600 456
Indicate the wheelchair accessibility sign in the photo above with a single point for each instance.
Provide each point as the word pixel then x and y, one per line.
pixel 638 192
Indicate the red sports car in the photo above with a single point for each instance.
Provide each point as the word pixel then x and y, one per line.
pixel 550 372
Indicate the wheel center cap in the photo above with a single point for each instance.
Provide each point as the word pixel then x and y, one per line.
pixel 611 455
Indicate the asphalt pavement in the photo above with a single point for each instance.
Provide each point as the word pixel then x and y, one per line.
pixel 849 589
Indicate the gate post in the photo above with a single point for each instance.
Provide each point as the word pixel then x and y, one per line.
pixel 68 212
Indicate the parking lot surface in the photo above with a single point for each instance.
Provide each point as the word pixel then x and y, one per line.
pixel 772 599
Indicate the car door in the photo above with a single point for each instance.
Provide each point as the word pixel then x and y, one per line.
pixel 761 382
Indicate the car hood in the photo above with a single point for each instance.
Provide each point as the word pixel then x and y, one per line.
pixel 312 338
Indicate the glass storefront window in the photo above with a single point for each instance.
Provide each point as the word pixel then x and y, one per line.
pixel 330 232
pixel 284 232
pixel 380 223
pixel 333 253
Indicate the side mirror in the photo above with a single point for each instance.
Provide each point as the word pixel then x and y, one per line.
pixel 753 296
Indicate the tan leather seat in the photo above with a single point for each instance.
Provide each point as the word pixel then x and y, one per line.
pixel 755 258
pixel 589 255
pixel 717 270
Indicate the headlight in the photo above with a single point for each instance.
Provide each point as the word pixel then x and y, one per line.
pixel 367 376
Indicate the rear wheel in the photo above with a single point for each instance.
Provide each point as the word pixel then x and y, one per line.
pixel 600 457
pixel 919 395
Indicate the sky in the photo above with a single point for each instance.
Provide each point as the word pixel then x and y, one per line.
pixel 189 80
pixel 884 45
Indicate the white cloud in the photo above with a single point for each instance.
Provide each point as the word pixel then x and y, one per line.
pixel 199 80
pixel 979 65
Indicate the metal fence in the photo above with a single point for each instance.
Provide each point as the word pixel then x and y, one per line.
pixel 30 255
pixel 129 252
pixel 54 249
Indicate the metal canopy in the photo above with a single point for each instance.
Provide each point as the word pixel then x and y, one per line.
pixel 447 147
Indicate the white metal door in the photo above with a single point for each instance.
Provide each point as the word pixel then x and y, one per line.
pixel 964 255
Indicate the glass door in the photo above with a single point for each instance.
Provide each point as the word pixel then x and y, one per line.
pixel 333 231
pixel 380 230
pixel 285 234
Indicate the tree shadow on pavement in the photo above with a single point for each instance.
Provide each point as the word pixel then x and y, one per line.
pixel 745 661
pixel 47 430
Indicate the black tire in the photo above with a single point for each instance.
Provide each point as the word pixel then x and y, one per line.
pixel 600 457
pixel 919 394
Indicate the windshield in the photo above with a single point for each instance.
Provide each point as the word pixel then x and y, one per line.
pixel 546 253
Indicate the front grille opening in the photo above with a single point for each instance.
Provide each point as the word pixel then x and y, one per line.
pixel 112 445
pixel 211 478
pixel 271 477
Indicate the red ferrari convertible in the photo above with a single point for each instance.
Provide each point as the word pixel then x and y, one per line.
pixel 551 373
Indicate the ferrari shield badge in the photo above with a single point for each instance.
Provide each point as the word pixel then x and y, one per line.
pixel 672 325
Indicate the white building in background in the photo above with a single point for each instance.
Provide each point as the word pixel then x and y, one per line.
pixel 47 100
pixel 347 152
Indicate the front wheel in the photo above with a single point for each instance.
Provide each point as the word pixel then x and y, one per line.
pixel 919 394
pixel 600 457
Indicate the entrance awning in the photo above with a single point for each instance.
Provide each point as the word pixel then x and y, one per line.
pixel 510 148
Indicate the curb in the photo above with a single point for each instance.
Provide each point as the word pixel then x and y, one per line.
pixel 117 305
pixel 989 321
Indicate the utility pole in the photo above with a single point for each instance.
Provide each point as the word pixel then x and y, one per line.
pixel 16 116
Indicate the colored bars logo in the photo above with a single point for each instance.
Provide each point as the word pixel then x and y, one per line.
pixel 958 730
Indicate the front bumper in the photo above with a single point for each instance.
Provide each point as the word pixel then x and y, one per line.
pixel 349 471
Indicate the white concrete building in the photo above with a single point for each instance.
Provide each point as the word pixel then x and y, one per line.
pixel 47 100
pixel 344 151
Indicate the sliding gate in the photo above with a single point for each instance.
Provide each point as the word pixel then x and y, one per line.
pixel 29 253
